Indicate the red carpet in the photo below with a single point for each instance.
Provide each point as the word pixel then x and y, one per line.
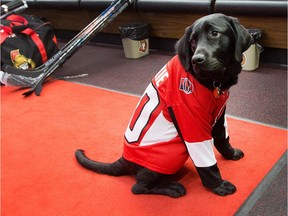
pixel 41 177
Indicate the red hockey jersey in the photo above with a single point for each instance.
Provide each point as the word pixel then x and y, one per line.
pixel 152 140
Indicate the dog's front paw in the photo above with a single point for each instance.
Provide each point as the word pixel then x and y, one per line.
pixel 172 189
pixel 238 154
pixel 226 188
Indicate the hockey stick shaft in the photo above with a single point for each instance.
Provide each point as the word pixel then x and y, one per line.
pixel 76 42
pixel 71 47
pixel 13 8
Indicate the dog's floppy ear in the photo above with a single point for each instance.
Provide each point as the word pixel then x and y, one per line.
pixel 183 49
pixel 243 38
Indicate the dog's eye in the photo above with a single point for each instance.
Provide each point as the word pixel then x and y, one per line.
pixel 193 44
pixel 215 34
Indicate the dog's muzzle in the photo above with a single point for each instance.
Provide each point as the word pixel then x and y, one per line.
pixel 209 68
pixel 203 62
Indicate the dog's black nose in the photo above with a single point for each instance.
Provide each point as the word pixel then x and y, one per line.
pixel 198 59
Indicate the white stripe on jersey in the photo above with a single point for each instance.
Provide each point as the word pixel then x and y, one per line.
pixel 226 127
pixel 161 76
pixel 161 130
pixel 202 153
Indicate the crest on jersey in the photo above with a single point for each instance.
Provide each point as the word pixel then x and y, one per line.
pixel 186 86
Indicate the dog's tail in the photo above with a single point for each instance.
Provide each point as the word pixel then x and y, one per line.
pixel 113 169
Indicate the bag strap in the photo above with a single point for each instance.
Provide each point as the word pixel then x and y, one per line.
pixel 17 20
pixel 36 39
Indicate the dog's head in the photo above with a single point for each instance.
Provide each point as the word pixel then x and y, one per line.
pixel 211 49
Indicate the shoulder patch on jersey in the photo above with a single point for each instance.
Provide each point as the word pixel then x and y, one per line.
pixel 186 86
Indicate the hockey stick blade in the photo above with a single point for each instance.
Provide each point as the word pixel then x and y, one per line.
pixel 27 73
pixel 37 90
pixel 37 86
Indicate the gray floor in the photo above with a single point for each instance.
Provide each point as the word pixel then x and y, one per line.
pixel 260 95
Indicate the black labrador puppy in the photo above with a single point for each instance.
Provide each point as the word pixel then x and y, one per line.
pixel 182 112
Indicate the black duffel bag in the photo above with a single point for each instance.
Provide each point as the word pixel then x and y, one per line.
pixel 26 41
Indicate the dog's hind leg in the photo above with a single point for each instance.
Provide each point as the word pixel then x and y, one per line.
pixel 150 182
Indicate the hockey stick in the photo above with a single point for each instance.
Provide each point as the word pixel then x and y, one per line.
pixel 45 70
pixel 12 8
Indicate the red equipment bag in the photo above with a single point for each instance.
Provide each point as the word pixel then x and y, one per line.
pixel 26 41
